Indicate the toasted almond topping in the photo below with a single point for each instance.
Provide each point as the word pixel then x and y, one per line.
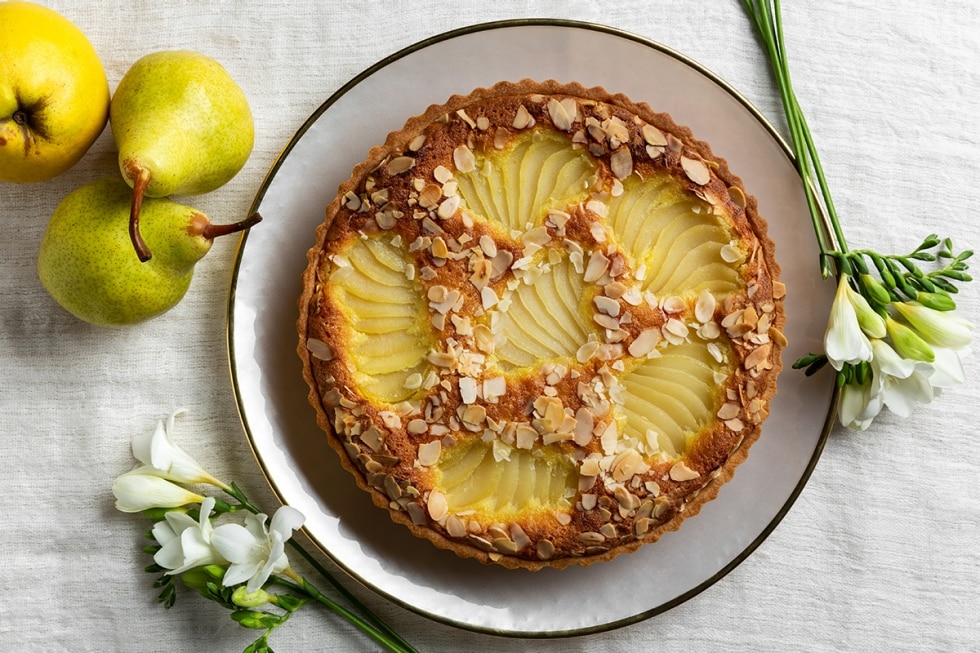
pixel 429 453
pixel 606 305
pixel 467 389
pixel 730 253
pixel 653 136
pixel 696 170
pixel 728 411
pixel 598 264
pixel 758 357
pixel 704 309
pixel 621 163
pixel 319 349
pixel 522 119
pixel 418 426
pixel 681 472
pixel 563 113
pixel 437 505
pixel 644 343
pixel 400 164
pixel 463 159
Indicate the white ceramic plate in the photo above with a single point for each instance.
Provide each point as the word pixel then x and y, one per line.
pixel 271 393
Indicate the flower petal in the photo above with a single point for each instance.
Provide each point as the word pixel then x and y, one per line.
pixel 239 572
pixel 940 328
pixel 844 341
pixel 947 368
pixel 234 542
pixel 286 520
pixel 138 490
pixel 859 405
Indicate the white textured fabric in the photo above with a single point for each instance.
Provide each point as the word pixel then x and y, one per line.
pixel 878 554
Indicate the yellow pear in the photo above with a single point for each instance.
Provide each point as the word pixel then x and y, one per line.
pixel 87 263
pixel 182 127
pixel 54 97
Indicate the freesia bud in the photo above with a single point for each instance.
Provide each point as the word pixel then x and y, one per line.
pixel 908 343
pixel 142 489
pixel 245 599
pixel 877 292
pixel 939 301
pixel 937 327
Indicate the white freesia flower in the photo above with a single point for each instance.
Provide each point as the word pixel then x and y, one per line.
pixel 185 542
pixel 256 550
pixel 158 451
pixel 846 340
pixel 899 382
pixel 142 489
pixel 940 328
pixel 859 405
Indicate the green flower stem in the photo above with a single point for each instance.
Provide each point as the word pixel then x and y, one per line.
pixel 767 19
pixel 370 623
pixel 393 643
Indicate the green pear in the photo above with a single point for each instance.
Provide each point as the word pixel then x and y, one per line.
pixel 182 126
pixel 87 263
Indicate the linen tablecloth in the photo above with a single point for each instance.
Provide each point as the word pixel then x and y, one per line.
pixel 879 552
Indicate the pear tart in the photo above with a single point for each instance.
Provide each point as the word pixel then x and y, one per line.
pixel 541 324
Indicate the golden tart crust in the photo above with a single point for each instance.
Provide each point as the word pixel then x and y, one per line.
pixel 541 324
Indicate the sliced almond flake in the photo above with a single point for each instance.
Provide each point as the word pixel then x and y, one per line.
pixel 488 245
pixel 728 411
pixel 437 505
pixel 442 174
pixel 601 209
pixel 644 343
pixel 522 119
pixel 696 170
pixel 730 253
pixel 676 327
pixel 319 349
pixel 673 305
pixel 653 136
pixel 735 424
pixel 429 453
pixel 400 164
pixel 563 113
pixel 598 264
pixel 704 309
pixel 494 388
pixel 448 207
pixel 466 118
pixel 467 389
pixel 606 305
pixel 681 472
pixel 525 436
pixel 482 123
pixel 621 163
pixel 654 151
pixel 463 159
pixel 417 143
pixel 587 351
pixel 758 357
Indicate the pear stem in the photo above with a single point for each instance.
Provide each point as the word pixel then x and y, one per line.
pixel 212 231
pixel 140 183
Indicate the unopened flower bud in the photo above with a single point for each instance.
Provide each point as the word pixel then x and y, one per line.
pixel 874 290
pixel 939 301
pixel 245 599
pixel 936 327
pixel 908 343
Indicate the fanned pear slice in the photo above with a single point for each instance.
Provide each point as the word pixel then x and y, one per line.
pixel 385 316
pixel 675 238
pixel 474 476
pixel 547 319
pixel 517 186
pixel 669 398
